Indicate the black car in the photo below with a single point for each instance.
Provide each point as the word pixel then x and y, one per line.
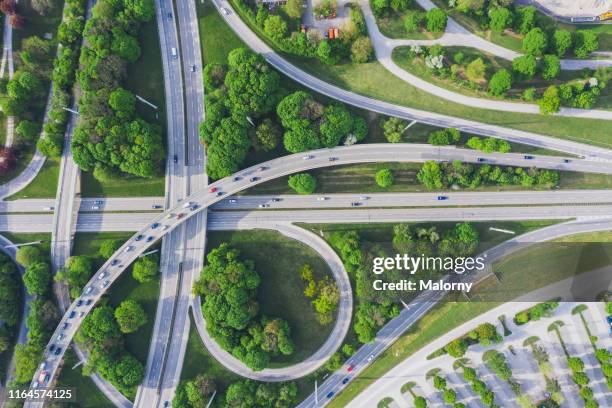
pixel 175 158
pixel 355 204
pixel 139 237
pixel 527 157
pixel 481 159
pixel 65 326
pixel 58 351
pixel 567 161
pixel 72 314
pixel 88 302
pixel 332 159
pixel 149 238
pixel 114 262
pixel 79 302
pixel 345 380
pixel 237 178
pixel 254 179
pixel 276 199
pixel 52 348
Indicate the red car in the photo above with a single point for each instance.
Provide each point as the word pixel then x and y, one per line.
pixel 180 215
pixel 213 189
pixel 349 368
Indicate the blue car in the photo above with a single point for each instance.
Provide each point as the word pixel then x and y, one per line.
pixel 139 237
pixel 154 225
pixel 442 198
pixel 609 318
pixel 149 238
pixel 481 159
pixel 330 394
pixel 72 314
pixel 528 157
pixel 345 380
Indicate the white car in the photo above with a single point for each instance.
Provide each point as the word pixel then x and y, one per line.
pixel 225 11
pixel 95 207
pixel 187 204
pixel 88 290
pixel 321 198
pixel 105 283
pixel 102 275
pixel 60 337
pixel 164 227
pixel 363 198
pixel 232 201
pixel 307 157
pixel 48 208
pixel 128 249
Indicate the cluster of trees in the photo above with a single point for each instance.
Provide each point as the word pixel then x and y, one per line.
pixel 197 392
pixel 460 241
pixel 69 36
pixel 484 334
pixel 283 29
pixel 9 9
pixel 496 362
pixel 448 394
pixel 146 269
pixel 576 94
pixel 581 379
pixel 102 332
pixel 535 313
pixel 489 144
pixel 10 300
pixel 324 294
pixel 228 286
pixel 393 129
pixel 434 175
pixel 539 35
pixel 241 100
pixel 312 125
pixel 303 183
pixel 43 315
pixel 478 386
pixel 110 138
pixel 245 90
pixel 433 20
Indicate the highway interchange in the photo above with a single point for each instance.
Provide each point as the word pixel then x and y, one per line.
pixel 186 184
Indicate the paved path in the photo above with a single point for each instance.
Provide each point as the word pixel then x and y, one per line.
pixel 334 340
pixel 456 35
pixel 7 61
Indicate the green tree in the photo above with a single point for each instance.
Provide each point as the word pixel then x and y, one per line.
pixel 439 383
pixel 361 50
pixel 500 82
pixel 500 19
pixel 475 70
pixel 456 348
pixel 214 75
pixel 430 175
pixel 525 66
pixel 562 41
pixel 108 247
pixel 535 42
pixel 550 102
pixel 551 66
pixel 43 7
pixel 444 137
pixel 420 402
pixel 124 45
pixel 275 27
pixel 28 255
pixel 402 238
pixel 146 269
pixel 326 53
pixel 37 278
pixel 435 20
pixel 28 131
pixel 130 316
pixel 27 357
pixel 526 19
pixel 380 8
pixel 267 135
pixel 575 364
pixel 449 396
pixel 303 183
pixel 393 128
pixel 384 178
pixel 412 21
pixel 585 42
pixel 123 102
pixel 294 8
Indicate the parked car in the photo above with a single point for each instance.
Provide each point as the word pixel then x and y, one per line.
pixel 276 199
pixel 609 318
pixel 175 158
pixel 156 206
pixel 128 249
pixel 262 168
pixel 237 178
pixel 65 326
pixel 567 161
pixel 105 283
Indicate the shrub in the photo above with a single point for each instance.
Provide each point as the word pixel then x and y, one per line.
pixel 475 70
pixel 525 66
pixel 562 41
pixel 412 21
pixel 529 94
pixel 550 67
pixel 500 19
pixel 585 43
pixel 28 255
pixel 535 42
pixel 361 50
pixel 550 102
pixel 384 178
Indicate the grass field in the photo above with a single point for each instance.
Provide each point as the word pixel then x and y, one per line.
pixel 278 261
pixel 216 38
pixel 44 184
pixel 519 267
pixel 146 80
pixel 359 178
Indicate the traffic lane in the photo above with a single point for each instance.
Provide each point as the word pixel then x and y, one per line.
pixel 414 199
